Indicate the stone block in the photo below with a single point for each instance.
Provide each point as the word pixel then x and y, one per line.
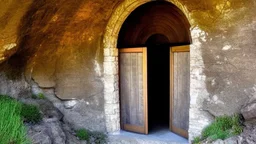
pixel 112 109
pixel 249 109
pixel 111 97
pixel 111 68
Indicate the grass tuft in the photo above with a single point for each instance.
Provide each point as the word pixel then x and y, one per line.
pixel 91 137
pixel 41 96
pixel 31 113
pixel 196 140
pixel 82 134
pixel 12 129
pixel 98 137
pixel 223 127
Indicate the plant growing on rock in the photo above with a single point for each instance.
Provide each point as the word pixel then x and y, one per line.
pixel 12 129
pixel 91 137
pixel 31 113
pixel 41 96
pixel 98 137
pixel 197 140
pixel 222 128
pixel 82 134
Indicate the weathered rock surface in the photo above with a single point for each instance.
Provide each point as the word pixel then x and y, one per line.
pixel 232 140
pixel 249 109
pixel 13 88
pixel 70 134
pixel 248 136
pixel 11 13
pixel 52 130
pixel 77 113
pixel 47 133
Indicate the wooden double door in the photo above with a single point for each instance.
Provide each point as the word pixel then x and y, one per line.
pixel 134 89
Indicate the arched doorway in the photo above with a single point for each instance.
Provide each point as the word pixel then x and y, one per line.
pixel 154 78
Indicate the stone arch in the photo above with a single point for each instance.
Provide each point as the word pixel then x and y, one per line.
pixel 111 85
pixel 122 12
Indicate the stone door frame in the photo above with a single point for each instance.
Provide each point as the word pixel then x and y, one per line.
pixel 197 117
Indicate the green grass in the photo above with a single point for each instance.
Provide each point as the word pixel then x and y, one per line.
pixel 97 137
pixel 196 140
pixel 41 96
pixel 82 134
pixel 30 113
pixel 223 127
pixel 12 129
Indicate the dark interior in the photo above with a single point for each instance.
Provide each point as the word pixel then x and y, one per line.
pixel 158 87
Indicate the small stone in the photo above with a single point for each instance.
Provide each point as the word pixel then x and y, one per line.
pixel 249 109
pixel 38 134
pixel 219 141
pixel 70 104
pixel 227 47
pixel 41 138
pixel 232 140
pixel 57 133
pixel 249 135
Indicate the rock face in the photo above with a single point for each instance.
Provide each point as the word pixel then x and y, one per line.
pixel 47 133
pixel 52 132
pixel 14 88
pixel 249 109
pixel 77 113
pixel 232 140
pixel 52 129
pixel 11 14
pixel 249 134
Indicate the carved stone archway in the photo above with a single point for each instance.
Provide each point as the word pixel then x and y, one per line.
pixel 198 119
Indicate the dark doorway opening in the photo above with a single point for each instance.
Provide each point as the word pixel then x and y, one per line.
pixel 158 58
pixel 158 87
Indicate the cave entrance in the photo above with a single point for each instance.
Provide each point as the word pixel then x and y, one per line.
pixel 154 69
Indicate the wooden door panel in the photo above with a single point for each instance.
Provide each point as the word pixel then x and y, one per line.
pixel 180 99
pixel 132 90
pixel 181 90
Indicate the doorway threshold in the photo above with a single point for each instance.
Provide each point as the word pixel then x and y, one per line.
pixel 163 136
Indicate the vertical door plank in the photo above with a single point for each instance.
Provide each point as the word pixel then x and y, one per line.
pixel 180 86
pixel 132 90
pixel 181 90
pixel 140 98
pixel 176 117
pixel 125 86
